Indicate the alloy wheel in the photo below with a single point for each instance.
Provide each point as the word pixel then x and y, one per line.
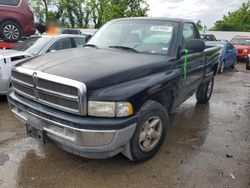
pixel 222 67
pixel 150 134
pixel 209 89
pixel 11 32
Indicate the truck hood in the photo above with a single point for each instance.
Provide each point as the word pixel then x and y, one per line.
pixel 242 47
pixel 97 68
pixel 12 53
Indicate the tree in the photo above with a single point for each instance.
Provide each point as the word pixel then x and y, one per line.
pixel 102 11
pixel 81 13
pixel 42 9
pixel 235 21
pixel 199 25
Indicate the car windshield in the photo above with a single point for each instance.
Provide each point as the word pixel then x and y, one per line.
pixel 153 37
pixel 241 41
pixel 33 45
pixel 208 37
pixel 215 44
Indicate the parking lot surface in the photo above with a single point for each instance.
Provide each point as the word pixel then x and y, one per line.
pixel 206 146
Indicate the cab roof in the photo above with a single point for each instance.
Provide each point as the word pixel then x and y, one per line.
pixel 245 37
pixel 156 19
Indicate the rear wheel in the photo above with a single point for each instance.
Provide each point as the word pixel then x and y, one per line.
pixel 234 63
pixel 205 91
pixel 222 67
pixel 149 134
pixel 248 66
pixel 10 31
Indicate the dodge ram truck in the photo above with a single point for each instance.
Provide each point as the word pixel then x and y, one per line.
pixel 114 95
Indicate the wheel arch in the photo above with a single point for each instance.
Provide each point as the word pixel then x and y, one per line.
pixel 12 20
pixel 165 98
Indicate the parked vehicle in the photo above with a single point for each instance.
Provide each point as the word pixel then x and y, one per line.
pixel 228 54
pixel 71 31
pixel 88 33
pixel 242 44
pixel 7 61
pixel 38 45
pixel 208 37
pixel 115 94
pixel 6 45
pixel 31 47
pixel 248 63
pixel 16 20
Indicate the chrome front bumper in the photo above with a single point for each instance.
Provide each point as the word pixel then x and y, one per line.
pixel 87 143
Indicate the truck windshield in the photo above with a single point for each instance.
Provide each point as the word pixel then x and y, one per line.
pixel 33 45
pixel 241 41
pixel 153 37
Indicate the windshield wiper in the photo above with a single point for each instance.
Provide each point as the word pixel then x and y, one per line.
pixel 124 48
pixel 91 45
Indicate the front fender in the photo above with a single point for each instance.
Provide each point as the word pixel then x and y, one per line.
pixel 139 90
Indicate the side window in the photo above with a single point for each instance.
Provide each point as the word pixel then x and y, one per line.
pixel 213 38
pixel 80 42
pixel 16 58
pixel 10 2
pixel 189 32
pixel 60 45
pixel 230 46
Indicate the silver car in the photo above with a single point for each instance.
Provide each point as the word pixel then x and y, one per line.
pixel 31 47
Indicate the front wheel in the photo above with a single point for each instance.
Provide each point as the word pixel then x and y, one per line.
pixel 205 91
pixel 10 31
pixel 222 67
pixel 149 134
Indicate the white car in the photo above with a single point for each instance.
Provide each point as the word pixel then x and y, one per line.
pixel 31 47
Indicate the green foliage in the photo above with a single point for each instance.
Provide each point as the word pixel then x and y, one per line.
pixel 238 20
pixel 199 25
pixel 82 13
pixel 42 9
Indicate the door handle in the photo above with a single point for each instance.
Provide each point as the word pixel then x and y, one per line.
pixel 201 66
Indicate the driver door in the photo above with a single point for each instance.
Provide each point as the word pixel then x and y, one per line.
pixel 195 61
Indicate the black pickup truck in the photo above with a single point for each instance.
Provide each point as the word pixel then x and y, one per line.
pixel 114 95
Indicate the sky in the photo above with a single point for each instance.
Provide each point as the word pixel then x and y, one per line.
pixel 208 11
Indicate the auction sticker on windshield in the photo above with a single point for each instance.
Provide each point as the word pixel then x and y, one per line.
pixel 162 28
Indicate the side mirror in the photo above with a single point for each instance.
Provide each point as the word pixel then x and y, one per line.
pixel 87 38
pixel 49 51
pixel 195 45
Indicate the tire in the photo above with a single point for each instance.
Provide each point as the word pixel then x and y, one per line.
pixel 248 63
pixel 147 139
pixel 204 92
pixel 234 63
pixel 248 66
pixel 222 67
pixel 10 31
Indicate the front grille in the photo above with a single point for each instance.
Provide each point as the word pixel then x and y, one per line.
pixel 22 77
pixel 240 51
pixel 45 84
pixel 23 89
pixel 54 91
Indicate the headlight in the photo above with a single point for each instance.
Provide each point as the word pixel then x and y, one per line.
pixel 109 109
pixel 221 51
pixel 245 50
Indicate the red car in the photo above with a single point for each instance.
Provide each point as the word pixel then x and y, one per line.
pixel 242 44
pixel 16 20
